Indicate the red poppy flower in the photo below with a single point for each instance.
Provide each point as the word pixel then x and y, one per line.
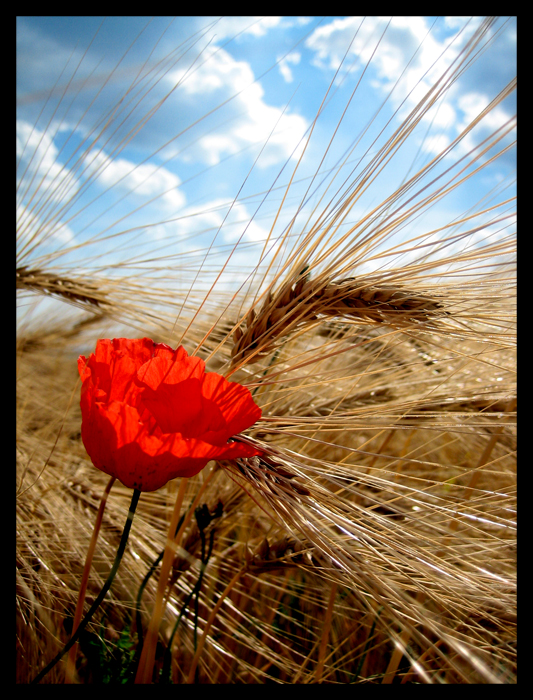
pixel 150 413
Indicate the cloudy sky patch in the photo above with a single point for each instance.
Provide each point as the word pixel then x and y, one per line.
pixel 163 123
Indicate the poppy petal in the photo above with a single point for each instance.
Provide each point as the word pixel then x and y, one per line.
pixel 151 414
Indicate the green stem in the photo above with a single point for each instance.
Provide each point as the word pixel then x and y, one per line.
pixel 107 585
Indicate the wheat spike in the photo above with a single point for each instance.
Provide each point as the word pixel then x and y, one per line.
pixel 300 303
pixel 76 291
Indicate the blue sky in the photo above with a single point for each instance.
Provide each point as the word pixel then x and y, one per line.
pixel 240 95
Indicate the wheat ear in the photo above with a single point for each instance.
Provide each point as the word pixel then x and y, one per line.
pixel 75 290
pixel 300 303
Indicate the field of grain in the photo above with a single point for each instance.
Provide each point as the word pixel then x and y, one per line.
pixel 374 540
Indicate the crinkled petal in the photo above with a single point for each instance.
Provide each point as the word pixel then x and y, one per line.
pixel 173 395
pixel 235 403
pixel 183 398
pixel 151 413
pixel 120 444
pixel 113 367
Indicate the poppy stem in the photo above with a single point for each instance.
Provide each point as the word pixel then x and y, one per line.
pixel 107 585
pixel 70 671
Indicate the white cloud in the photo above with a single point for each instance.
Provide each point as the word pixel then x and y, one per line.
pixel 219 78
pixel 146 180
pixel 31 228
pixel 406 45
pixel 38 161
pixel 40 181
pixel 404 39
pixel 229 27
pixel 284 68
pixel 233 220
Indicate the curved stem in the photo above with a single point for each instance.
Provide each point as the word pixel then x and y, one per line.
pixel 107 585
pixel 70 671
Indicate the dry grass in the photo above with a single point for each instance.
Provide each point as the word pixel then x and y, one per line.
pixel 374 542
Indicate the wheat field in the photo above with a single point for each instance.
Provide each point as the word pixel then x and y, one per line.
pixel 373 321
